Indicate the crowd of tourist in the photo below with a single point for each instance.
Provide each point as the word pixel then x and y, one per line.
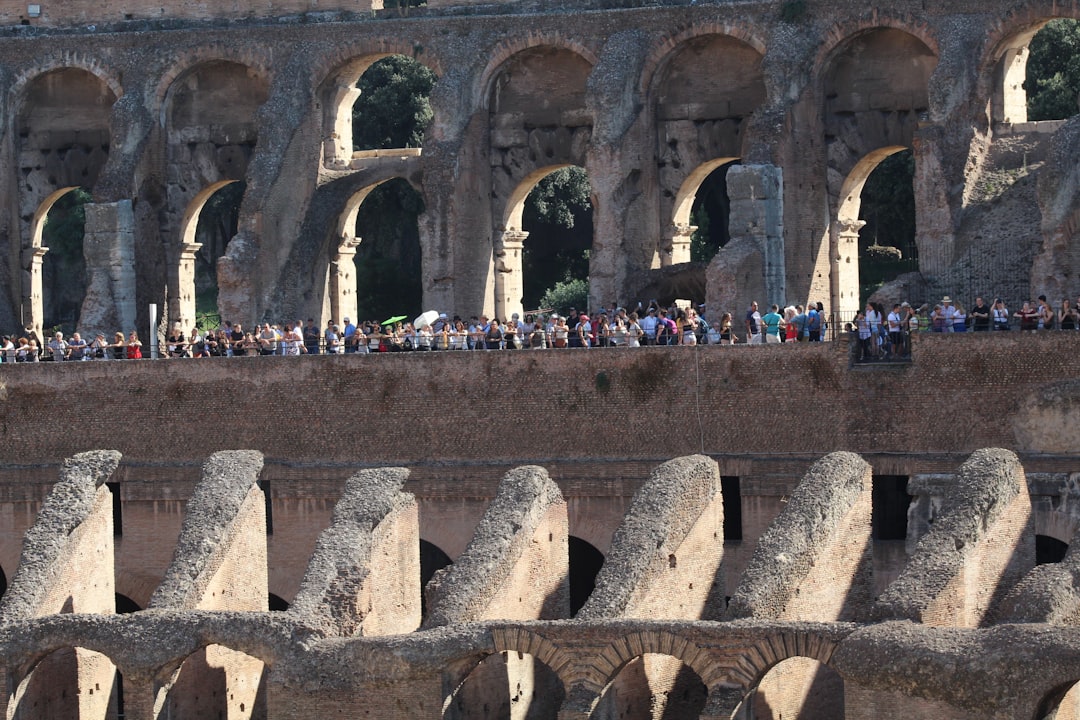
pixel 882 334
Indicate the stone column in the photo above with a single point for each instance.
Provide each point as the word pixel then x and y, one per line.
pixel 182 285
pixel 757 213
pixel 845 267
pixel 1010 102
pixel 109 249
pixel 508 283
pixel 675 247
pixel 338 147
pixel 343 281
pixel 33 308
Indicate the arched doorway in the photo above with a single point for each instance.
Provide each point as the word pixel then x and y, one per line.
pixel 1036 76
pixel 585 563
pixel 702 206
pixel 432 560
pixel 215 681
pixel 69 682
pixel 797 687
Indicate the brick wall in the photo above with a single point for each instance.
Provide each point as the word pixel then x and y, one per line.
pixel 74 12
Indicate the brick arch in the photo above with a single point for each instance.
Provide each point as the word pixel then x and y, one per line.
pixel 508 48
pixel 522 640
pixel 185 62
pixel 669 44
pixel 1022 19
pixel 368 51
pixel 761 657
pixel 596 676
pixel 836 37
pixel 107 74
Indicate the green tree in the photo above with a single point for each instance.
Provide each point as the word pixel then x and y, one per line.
pixel 558 216
pixel 64 266
pixel 1053 71
pixel 217 225
pixel 393 109
pixel 566 294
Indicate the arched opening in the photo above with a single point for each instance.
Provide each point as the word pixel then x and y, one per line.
pixel 585 563
pixel 376 269
pixel 702 206
pixel 701 120
pixel 538 124
pixel 70 682
pixel 376 103
pixel 1037 75
pixel 887 212
pixel 1049 550
pixel 510 685
pixel 57 232
pixel 3 582
pixel 1061 703
pixel 653 687
pixel 277 604
pixel 62 142
pixel 557 226
pixel 215 681
pixel 125 605
pixel 215 219
pixel 209 119
pixel 432 560
pixel 875 91
pixel 795 688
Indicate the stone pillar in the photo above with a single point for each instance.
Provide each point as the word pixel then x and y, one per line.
pixel 182 285
pixel 338 146
pixel 509 244
pixel 109 249
pixel 1010 98
pixel 675 247
pixel 757 213
pixel 33 308
pixel 845 267
pixel 343 281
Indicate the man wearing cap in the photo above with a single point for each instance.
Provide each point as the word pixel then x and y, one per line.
pixel 347 336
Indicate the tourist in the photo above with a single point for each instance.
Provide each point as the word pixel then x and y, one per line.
pixel 583 331
pixel 312 337
pixel 1000 315
pixel 77 348
pixel 752 323
pixel 133 351
pixel 959 320
pixel 1068 316
pixel 118 346
pixel 980 316
pixel 634 331
pixel 773 323
pixel 1029 317
pixel 1045 314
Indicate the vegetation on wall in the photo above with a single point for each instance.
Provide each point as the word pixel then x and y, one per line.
pixel 63 268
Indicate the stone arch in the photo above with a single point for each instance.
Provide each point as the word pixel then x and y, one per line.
pixel 258 62
pixel 1061 702
pixel 666 47
pixel 507 49
pixel 1002 66
pixel 184 310
pixel 796 687
pixel 837 37
pixel 211 678
pixel 125 605
pixel 209 118
pixel 596 675
pixel 509 243
pixel 508 678
pixel 758 659
pixel 33 259
pixel 337 94
pixel 93 66
pixel 862 88
pixel 64 681
pixel 585 563
pixel 700 117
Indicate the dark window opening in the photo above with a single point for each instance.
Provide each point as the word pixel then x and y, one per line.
pixel 585 564
pixel 264 485
pixel 432 559
pixel 117 509
pixel 124 605
pixel 890 501
pixel 276 604
pixel 1049 550
pixel 731 496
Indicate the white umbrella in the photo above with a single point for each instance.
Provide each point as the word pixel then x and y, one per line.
pixel 425 319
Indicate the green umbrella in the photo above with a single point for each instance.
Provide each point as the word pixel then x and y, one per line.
pixel 396 318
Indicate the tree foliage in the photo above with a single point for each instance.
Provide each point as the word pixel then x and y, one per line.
pixel 887 240
pixel 217 225
pixel 1053 71
pixel 64 266
pixel 558 216
pixel 566 294
pixel 393 109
